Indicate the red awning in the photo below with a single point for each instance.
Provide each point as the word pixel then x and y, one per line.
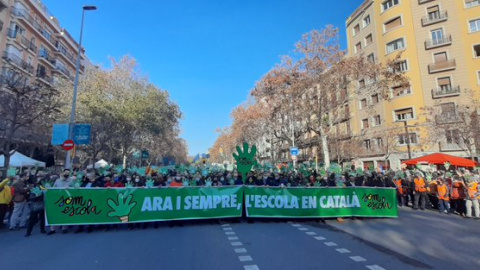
pixel 440 159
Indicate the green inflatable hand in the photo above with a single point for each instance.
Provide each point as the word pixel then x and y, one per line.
pixel 245 160
pixel 149 183
pixel 122 207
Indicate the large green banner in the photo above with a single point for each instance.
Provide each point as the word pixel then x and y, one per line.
pixel 320 202
pixel 105 206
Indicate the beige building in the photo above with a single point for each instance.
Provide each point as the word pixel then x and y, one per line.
pixel 439 46
pixel 32 40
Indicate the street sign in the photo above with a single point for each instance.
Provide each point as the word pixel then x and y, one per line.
pixel 82 134
pixel 294 157
pixel 294 151
pixel 59 134
pixel 68 145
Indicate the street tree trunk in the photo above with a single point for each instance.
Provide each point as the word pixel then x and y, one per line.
pixel 326 153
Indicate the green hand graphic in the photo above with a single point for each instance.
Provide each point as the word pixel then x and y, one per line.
pixel 37 191
pixel 245 160
pixel 149 183
pixel 208 183
pixel 122 207
pixel 185 183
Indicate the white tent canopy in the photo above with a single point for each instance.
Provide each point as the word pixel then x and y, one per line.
pixel 99 164
pixel 20 160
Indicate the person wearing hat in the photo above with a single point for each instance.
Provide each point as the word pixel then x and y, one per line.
pixel 5 199
pixel 177 182
pixel 420 192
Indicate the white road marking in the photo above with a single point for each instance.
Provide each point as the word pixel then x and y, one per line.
pixel 245 258
pixel 251 267
pixel 227 229
pixel 232 238
pixel 240 250
pixel 225 225
pixel 296 225
pixel 320 238
pixel 342 250
pixel 290 222
pixel 303 229
pixel 311 233
pixel 375 267
pixel 230 233
pixel 358 259
pixel 330 244
pixel 236 244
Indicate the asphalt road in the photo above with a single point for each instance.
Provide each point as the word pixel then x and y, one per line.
pixel 359 244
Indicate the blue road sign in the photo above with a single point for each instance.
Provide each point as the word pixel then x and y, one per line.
pixel 82 134
pixel 294 151
pixel 59 134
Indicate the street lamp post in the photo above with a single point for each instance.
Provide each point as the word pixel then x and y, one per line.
pixel 407 138
pixel 68 161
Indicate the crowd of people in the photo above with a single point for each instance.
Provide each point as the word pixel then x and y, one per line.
pixel 454 191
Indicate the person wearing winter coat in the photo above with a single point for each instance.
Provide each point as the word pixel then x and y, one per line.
pixel 5 199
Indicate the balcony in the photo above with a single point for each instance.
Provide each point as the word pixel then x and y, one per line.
pixel 17 61
pixel 447 118
pixel 435 43
pixel 447 91
pixel 442 66
pixel 62 52
pixel 65 72
pixel 451 146
pixel 424 1
pixel 435 18
pixel 45 78
pixel 47 58
pixel 23 15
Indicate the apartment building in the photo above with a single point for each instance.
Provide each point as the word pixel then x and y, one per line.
pixel 439 46
pixel 33 41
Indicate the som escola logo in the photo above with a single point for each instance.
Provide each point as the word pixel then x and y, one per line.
pixel 77 206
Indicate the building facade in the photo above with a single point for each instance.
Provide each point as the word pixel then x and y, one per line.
pixel 436 44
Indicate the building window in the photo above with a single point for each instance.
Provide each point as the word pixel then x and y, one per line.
pixel 358 47
pixel 356 29
pixel 448 110
pixel 437 37
pixel 478 76
pixel 348 128
pixel 476 50
pixel 371 58
pixel 404 114
pixel 475 25
pixel 399 91
pixel 403 139
pixel 375 99
pixel 363 103
pixel 433 12
pixel 444 83
pixel 377 120
pixel 41 71
pixel 388 26
pixel 389 4
pixel 471 3
pixel 367 20
pixel 452 136
pixel 367 144
pixel 395 45
pixel 368 40
pixel 440 57
pixel 365 123
pixel 401 66
pixel 361 83
pixel 379 142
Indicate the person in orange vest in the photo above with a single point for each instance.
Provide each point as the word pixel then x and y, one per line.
pixel 443 196
pixel 420 192
pixel 401 191
pixel 457 196
pixel 473 195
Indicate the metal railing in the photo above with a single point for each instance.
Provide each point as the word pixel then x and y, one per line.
pixel 442 66
pixel 436 17
pixel 63 70
pixel 472 4
pixel 446 146
pixel 45 77
pixel 68 55
pixel 45 55
pixel 23 14
pixel 15 59
pixel 446 91
pixel 433 43
pixel 446 118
